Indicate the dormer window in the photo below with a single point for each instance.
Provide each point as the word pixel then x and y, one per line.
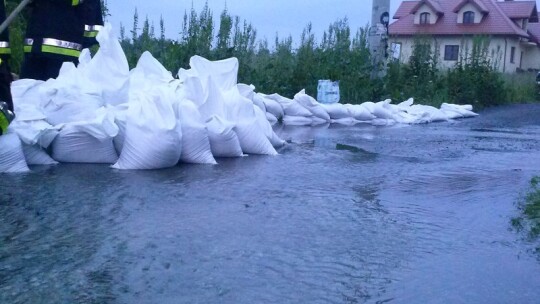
pixel 468 17
pixel 424 18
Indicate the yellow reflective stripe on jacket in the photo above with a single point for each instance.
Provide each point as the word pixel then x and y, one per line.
pixel 92 34
pixel 27 47
pixel 4 48
pixel 91 31
pixel 4 123
pixel 60 51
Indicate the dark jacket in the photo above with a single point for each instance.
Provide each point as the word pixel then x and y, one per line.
pixel 93 20
pixel 55 28
pixel 5 50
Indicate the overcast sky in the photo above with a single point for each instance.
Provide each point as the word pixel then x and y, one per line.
pixel 267 16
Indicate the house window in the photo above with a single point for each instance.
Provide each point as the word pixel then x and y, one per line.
pixel 468 17
pixel 424 18
pixel 451 52
pixel 512 54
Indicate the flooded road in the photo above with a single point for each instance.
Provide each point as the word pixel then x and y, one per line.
pixel 363 214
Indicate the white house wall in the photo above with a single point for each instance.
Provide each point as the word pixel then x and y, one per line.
pixel 499 51
pixel 531 58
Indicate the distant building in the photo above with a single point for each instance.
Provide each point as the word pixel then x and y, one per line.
pixel 511 27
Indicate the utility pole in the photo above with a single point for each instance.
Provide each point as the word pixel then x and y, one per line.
pixel 378 37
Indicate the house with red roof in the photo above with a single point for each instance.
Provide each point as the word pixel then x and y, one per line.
pixel 510 27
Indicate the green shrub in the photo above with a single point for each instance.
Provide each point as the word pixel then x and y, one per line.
pixel 528 220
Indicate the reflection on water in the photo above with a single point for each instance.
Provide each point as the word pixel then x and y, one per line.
pixel 358 214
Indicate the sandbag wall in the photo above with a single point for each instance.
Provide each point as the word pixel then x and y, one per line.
pixel 102 112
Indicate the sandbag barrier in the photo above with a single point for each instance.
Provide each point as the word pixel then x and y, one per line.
pixel 102 112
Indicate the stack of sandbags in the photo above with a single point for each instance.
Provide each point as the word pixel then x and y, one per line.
pixel 30 123
pixel 86 126
pixel 101 112
pixel 223 105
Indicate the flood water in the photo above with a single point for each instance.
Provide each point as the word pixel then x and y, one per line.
pixel 363 214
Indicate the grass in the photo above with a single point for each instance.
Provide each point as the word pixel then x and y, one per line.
pixel 529 219
pixel 521 87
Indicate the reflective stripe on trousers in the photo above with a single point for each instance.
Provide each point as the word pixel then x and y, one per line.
pixel 55 46
pixel 4 48
pixel 91 31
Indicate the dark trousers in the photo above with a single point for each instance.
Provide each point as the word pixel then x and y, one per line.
pixel 43 68
pixel 5 84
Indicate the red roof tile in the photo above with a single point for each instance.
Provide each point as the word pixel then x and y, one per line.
pixel 405 8
pixel 534 31
pixel 518 9
pixel 434 5
pixel 494 23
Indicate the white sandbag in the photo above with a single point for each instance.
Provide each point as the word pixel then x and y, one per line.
pixel 290 107
pixel 392 108
pixel 247 91
pixel 34 131
pixel 215 103
pixel 297 120
pixel 236 106
pixel 462 110
pixel 271 118
pixel 380 110
pixel 223 139
pixel 405 104
pixel 64 101
pixel 192 89
pixel 370 106
pixel 427 113
pixel 312 105
pixel 347 121
pixel 102 126
pixel 405 118
pixel 109 69
pixel 336 110
pixel 251 135
pixel 266 128
pixel 223 72
pixel 196 147
pixel 11 154
pixel 27 99
pixel 315 121
pixel 153 136
pixel 272 106
pixel 75 146
pixel 120 119
pixel 452 114
pixel 148 73
pixel 30 123
pixel 360 112
pixel 35 155
pixel 252 138
pixel 258 100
